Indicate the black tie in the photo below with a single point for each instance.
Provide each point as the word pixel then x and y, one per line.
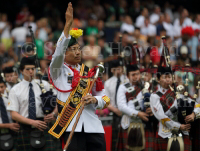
pixel 4 115
pixel 117 86
pixel 31 107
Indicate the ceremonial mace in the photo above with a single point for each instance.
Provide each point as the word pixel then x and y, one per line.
pixel 100 70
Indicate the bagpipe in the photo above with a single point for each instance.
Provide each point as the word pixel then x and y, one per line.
pixel 47 97
pixel 186 105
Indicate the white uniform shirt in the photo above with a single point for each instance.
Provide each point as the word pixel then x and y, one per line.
pixel 19 98
pixel 124 107
pixel 154 18
pixel 8 113
pixel 150 30
pixel 59 73
pixel 110 87
pixel 157 109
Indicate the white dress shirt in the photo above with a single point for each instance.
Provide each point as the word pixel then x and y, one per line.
pixel 149 30
pixel 127 27
pixel 178 27
pixel 6 31
pixel 169 29
pixel 19 33
pixel 5 100
pixel 140 21
pixel 59 73
pixel 195 26
pixel 154 18
pixel 110 87
pixel 19 98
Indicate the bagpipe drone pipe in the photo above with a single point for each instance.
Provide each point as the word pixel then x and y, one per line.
pixel 47 97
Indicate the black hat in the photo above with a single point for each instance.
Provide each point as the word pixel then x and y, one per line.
pixel 163 70
pixel 131 68
pixel 8 70
pixel 27 61
pixel 116 63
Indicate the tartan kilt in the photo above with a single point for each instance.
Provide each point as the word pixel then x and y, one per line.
pixel 23 141
pixel 149 140
pixel 161 143
pixel 123 138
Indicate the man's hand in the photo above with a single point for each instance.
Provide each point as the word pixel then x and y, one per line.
pixel 190 118
pixel 14 127
pixel 185 127
pixel 41 125
pixel 149 111
pixel 69 19
pixel 89 99
pixel 48 118
pixel 143 116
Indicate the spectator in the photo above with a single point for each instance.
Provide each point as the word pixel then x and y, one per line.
pixel 110 11
pixel 127 25
pixel 148 29
pixel 159 25
pixel 44 29
pixel 10 55
pixel 5 31
pixel 98 10
pixel 19 37
pixel 168 26
pixel 196 23
pixel 154 18
pixel 58 32
pixel 122 9
pixel 92 26
pixel 31 23
pixel 182 22
pixel 105 49
pixel 140 19
pixel 52 14
pixel 193 42
pixel 22 16
pixel 168 10
pixel 135 10
pixel 91 52
pixel 4 62
pixel 101 30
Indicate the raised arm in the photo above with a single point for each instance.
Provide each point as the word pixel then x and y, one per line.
pixel 62 44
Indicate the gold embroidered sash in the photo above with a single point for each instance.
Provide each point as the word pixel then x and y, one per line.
pixel 68 110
